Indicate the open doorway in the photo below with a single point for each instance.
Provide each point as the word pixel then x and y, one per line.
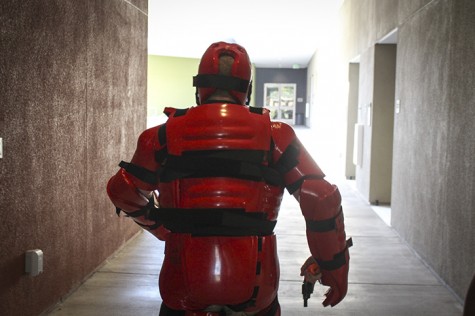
pixel 352 134
pixel 372 85
pixel 383 125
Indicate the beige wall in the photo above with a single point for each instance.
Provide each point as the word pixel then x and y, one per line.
pixel 432 188
pixel 170 84
pixel 382 118
pixel 73 101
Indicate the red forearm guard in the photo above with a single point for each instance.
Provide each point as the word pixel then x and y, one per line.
pixel 129 191
pixel 124 194
pixel 320 203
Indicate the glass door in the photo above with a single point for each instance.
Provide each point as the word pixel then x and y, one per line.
pixel 280 99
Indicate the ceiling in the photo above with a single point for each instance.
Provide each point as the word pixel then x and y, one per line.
pixel 275 33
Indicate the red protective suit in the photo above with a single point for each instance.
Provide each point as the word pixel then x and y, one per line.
pixel 220 171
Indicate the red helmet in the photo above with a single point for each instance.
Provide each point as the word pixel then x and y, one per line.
pixel 238 84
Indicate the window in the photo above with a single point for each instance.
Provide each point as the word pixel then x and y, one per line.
pixel 280 99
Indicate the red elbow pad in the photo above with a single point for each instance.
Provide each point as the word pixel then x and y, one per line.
pixel 123 192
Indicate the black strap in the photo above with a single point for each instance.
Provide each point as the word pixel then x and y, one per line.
pixel 274 306
pixel 149 227
pixel 175 112
pixel 297 184
pixel 271 310
pixel 213 222
pixel 221 82
pixel 248 155
pixel 250 302
pixel 288 160
pixel 256 110
pixel 244 164
pixel 212 101
pixel 338 260
pixel 167 311
pixel 139 172
pixel 180 112
pixel 162 154
pixel 144 211
pixel 162 134
pixel 325 225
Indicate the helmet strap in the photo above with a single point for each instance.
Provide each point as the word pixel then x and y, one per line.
pixel 221 82
pixel 249 92
pixel 197 97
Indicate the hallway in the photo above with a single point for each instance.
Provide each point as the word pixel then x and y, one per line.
pixel 386 277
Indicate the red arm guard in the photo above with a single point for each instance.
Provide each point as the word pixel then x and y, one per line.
pixel 291 157
pixel 131 194
pixel 124 193
pixel 320 205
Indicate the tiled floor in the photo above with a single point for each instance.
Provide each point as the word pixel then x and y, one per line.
pixel 386 277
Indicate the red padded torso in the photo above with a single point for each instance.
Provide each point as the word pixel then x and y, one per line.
pixel 202 271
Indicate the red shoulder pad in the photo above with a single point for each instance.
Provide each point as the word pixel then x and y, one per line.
pixel 169 111
pixel 218 126
pixel 291 158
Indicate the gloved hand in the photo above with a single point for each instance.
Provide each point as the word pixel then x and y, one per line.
pixel 310 271
pixel 336 279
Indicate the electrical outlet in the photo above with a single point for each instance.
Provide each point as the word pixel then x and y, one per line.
pixel 34 262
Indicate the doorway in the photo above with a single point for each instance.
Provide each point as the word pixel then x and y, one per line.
pixel 280 99
pixel 373 129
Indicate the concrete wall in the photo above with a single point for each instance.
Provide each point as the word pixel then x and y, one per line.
pixel 434 170
pixel 73 101
pixel 432 195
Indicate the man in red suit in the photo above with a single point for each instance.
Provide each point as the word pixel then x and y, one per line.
pixel 209 182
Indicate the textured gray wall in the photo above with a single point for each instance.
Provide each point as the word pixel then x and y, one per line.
pixel 434 166
pixel 73 101
pixel 433 199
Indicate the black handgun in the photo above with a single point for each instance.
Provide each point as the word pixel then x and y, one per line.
pixel 307 289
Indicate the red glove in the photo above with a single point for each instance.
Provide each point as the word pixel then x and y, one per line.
pixel 336 279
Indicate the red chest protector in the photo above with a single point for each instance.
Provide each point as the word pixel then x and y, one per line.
pixel 219 196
